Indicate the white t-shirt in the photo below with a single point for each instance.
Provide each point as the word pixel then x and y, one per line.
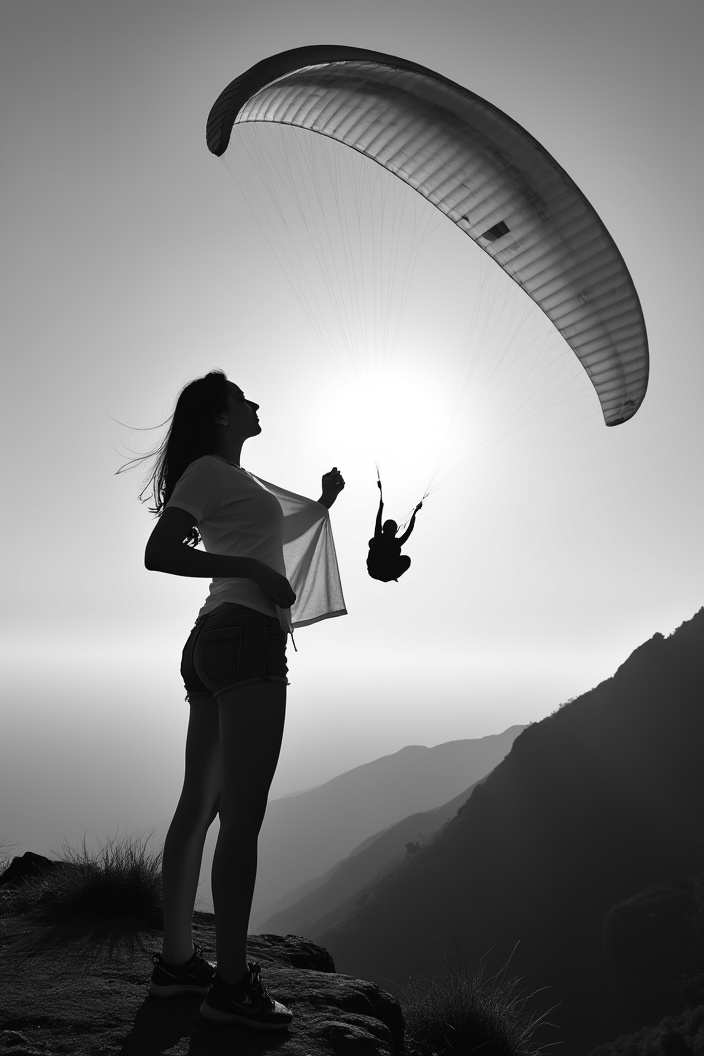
pixel 240 515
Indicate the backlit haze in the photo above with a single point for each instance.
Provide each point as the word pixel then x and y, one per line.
pixel 133 263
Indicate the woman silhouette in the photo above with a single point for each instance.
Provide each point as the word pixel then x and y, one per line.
pixel 257 538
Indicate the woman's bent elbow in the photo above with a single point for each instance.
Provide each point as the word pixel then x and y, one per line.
pixel 171 560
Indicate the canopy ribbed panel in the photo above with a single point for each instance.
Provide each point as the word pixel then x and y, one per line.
pixel 484 172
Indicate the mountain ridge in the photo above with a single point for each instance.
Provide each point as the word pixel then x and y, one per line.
pixel 319 904
pixel 592 804
pixel 306 834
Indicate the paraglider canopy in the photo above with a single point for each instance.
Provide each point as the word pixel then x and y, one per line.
pixel 484 172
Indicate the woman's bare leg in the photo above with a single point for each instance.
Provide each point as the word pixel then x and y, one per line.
pixel 251 732
pixel 183 847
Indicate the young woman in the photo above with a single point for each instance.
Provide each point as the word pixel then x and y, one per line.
pixel 266 550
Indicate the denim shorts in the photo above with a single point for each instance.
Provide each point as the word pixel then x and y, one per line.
pixel 233 646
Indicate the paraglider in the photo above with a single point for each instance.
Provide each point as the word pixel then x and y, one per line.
pixel 484 172
pixel 385 561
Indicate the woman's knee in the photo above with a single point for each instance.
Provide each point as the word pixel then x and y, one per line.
pixel 241 821
pixel 200 795
pixel 196 811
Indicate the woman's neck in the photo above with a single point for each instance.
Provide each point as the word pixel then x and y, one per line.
pixel 231 452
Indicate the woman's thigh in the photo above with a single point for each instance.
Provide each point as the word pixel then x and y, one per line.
pixel 201 783
pixel 251 723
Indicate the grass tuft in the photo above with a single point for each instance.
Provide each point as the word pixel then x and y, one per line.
pixel 458 1011
pixel 121 879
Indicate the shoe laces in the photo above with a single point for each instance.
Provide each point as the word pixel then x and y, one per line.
pixel 254 981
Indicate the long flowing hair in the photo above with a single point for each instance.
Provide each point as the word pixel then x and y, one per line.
pixel 191 434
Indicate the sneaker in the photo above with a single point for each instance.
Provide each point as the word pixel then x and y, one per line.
pixel 193 977
pixel 248 1003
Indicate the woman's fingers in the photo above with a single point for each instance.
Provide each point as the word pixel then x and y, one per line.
pixel 276 586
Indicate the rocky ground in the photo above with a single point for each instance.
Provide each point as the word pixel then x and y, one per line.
pixel 82 990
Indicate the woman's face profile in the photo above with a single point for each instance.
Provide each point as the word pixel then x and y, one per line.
pixel 242 413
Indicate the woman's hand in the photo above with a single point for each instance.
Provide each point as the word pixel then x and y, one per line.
pixel 332 484
pixel 274 584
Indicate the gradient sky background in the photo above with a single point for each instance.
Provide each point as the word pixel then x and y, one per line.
pixel 132 264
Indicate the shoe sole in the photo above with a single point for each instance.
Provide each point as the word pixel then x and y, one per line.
pixel 216 1016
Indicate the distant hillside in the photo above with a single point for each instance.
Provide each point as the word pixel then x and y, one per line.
pixel 592 806
pixel 306 834
pixel 313 908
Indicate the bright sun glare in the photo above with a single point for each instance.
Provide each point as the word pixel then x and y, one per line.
pixel 395 417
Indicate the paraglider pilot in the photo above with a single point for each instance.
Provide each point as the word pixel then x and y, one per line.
pixel 385 561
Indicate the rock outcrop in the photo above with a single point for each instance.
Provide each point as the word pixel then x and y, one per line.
pixel 27 866
pixel 80 988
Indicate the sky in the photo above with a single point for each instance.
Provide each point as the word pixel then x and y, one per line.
pixel 135 261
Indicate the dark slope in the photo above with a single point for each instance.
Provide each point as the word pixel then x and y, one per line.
pixel 306 834
pixel 593 804
pixel 334 894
